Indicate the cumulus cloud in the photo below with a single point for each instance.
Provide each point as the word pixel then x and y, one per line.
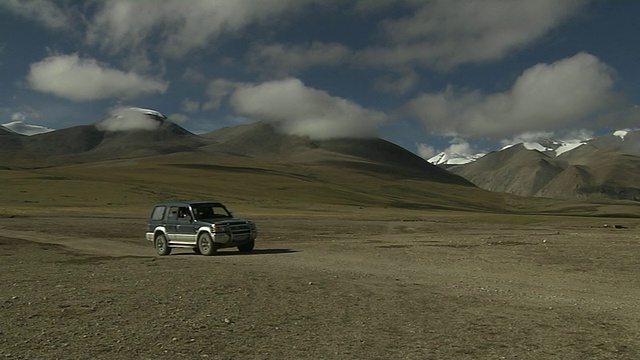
pixel 190 106
pixel 44 12
pixel 73 78
pixel 399 84
pixel 178 27
pixel 545 97
pixel 18 116
pixel 300 110
pixel 443 34
pixel 426 151
pixel 178 118
pixel 125 119
pixel 282 60
pixel 528 137
pixel 218 90
pixel 194 76
pixel 569 136
pixel 458 148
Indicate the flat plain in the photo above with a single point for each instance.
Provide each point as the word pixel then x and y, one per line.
pixel 348 282
pixel 357 258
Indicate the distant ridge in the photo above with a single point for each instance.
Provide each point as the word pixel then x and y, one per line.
pixel 149 133
pixel 374 155
pixel 23 128
pixel 606 167
pixel 96 142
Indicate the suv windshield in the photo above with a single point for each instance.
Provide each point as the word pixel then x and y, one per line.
pixel 209 212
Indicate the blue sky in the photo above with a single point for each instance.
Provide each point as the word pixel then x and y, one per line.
pixel 427 75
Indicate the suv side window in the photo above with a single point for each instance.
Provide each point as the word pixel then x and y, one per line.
pixel 173 214
pixel 158 213
pixel 184 215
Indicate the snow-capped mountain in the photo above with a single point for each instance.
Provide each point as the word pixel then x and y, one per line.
pixel 551 147
pixel 445 158
pixel 605 167
pixel 22 128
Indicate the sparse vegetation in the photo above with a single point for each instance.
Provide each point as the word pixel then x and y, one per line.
pixel 358 258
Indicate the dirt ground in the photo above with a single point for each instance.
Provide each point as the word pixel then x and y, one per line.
pixel 323 288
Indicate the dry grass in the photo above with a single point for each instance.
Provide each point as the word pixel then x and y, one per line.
pixel 129 187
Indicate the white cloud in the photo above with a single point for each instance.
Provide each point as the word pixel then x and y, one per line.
pixel 44 12
pixel 301 110
pixel 18 116
pixel 426 151
pixel 282 60
pixel 178 27
pixel 398 85
pixel 570 136
pixel 218 90
pixel 178 118
pixel 444 34
pixel 190 106
pixel 459 148
pixel 193 75
pixel 528 137
pixel 545 97
pixel 125 119
pixel 73 78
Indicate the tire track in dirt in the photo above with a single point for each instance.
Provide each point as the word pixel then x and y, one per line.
pixel 106 247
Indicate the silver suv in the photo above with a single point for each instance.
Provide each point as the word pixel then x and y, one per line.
pixel 204 226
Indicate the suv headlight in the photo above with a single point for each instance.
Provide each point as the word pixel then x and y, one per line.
pixel 221 228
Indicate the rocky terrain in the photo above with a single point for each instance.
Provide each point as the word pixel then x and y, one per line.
pixel 369 285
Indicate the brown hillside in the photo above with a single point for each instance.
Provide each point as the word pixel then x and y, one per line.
pixel 514 170
pixel 375 156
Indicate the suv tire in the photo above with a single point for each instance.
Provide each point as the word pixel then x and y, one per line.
pixel 161 245
pixel 206 245
pixel 246 247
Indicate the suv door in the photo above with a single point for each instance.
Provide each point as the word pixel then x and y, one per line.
pixel 171 225
pixel 185 228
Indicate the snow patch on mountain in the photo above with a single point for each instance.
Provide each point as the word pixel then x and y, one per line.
pixel 552 148
pixel 131 118
pixel 621 134
pixel 568 147
pixel 535 146
pixel 444 158
pixel 20 127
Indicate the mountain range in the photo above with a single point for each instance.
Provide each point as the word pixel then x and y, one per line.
pixel 142 159
pixel 98 142
pixel 603 168
pixel 606 167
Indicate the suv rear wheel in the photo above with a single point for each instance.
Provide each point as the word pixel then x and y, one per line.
pixel 206 245
pixel 161 245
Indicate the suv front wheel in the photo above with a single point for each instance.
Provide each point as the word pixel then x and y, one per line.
pixel 161 245
pixel 206 245
pixel 246 247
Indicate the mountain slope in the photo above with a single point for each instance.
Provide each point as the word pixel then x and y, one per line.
pixel 607 167
pixel 251 164
pixel 9 140
pixel 376 156
pixel 514 170
pixel 98 142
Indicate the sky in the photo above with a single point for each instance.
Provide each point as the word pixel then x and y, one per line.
pixel 463 76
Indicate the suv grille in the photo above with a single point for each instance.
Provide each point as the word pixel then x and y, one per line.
pixel 240 228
